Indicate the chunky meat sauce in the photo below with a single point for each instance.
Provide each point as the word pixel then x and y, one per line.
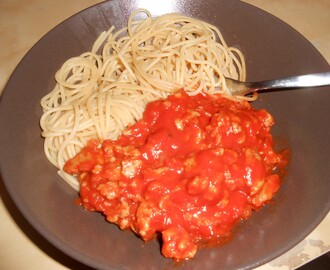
pixel 191 169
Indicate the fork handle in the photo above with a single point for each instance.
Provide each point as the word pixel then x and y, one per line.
pixel 310 80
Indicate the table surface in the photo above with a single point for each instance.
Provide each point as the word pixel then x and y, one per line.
pixel 23 23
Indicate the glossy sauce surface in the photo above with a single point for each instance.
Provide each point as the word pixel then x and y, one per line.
pixel 191 169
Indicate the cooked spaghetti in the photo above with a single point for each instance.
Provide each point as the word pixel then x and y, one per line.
pixel 99 93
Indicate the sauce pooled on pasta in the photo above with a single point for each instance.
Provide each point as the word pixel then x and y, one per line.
pixel 191 169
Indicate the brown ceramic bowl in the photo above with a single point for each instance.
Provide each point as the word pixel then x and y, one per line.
pixel 272 49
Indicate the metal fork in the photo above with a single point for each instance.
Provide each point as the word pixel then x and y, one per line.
pixel 312 80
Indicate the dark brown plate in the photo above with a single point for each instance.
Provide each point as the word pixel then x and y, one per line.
pixel 272 49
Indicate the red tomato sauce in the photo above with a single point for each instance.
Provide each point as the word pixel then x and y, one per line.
pixel 191 169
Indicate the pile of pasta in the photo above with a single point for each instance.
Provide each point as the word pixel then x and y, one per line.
pixel 101 92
